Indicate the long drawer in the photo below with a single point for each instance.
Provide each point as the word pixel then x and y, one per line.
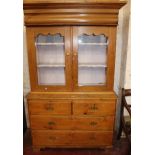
pixel 92 138
pixel 94 107
pixel 49 107
pixel 71 138
pixel 47 138
pixel 74 123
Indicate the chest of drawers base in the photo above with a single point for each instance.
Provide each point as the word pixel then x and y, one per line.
pixel 72 121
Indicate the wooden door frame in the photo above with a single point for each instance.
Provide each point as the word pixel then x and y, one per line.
pixel 32 32
pixel 97 30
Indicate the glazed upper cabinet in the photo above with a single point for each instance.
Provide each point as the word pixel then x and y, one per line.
pixel 71 58
pixel 93 57
pixel 50 54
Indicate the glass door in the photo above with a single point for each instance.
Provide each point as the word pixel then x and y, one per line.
pixel 92 56
pixel 52 58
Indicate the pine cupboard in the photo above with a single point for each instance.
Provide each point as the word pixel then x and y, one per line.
pixel 71 53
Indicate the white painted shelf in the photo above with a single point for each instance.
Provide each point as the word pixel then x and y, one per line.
pixel 46 44
pixel 93 44
pixel 52 84
pixel 92 65
pixel 50 65
pixel 91 84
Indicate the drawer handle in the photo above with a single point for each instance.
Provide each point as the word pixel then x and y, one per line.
pixel 49 107
pixel 93 123
pixel 93 107
pixel 51 123
pixel 52 138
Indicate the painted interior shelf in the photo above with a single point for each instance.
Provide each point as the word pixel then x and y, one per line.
pixel 47 44
pixel 52 84
pixel 92 65
pixel 91 84
pixel 50 65
pixel 80 43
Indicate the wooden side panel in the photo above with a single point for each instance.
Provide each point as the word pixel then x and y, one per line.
pixel 49 107
pixel 94 107
pixel 72 123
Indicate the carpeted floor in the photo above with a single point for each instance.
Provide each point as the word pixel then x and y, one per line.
pixel 120 148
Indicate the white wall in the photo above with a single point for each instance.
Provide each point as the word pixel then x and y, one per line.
pixel 26 82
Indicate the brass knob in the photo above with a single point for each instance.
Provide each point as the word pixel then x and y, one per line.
pixel 93 107
pixel 68 53
pixel 51 123
pixel 49 107
pixel 93 123
pixel 75 53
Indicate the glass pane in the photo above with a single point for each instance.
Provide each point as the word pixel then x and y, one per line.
pixel 91 76
pixel 51 76
pixel 92 60
pixel 50 59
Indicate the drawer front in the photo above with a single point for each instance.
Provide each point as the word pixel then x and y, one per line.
pixel 74 123
pixel 91 107
pixel 51 123
pixel 47 138
pixel 51 107
pixel 92 138
pixel 71 138
pixel 94 123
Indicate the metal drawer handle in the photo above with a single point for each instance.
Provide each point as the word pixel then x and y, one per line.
pixel 51 123
pixel 93 123
pixel 93 107
pixel 49 107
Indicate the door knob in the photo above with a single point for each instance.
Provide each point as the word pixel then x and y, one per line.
pixel 68 53
pixel 75 53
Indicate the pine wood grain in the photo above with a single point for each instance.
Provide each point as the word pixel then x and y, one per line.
pixel 94 107
pixel 49 107
pixel 47 122
pixel 71 138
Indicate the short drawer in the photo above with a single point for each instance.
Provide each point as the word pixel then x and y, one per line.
pixel 52 107
pixel 94 107
pixel 47 138
pixel 73 123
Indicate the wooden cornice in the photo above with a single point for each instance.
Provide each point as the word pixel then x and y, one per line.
pixel 71 12
pixel 32 4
